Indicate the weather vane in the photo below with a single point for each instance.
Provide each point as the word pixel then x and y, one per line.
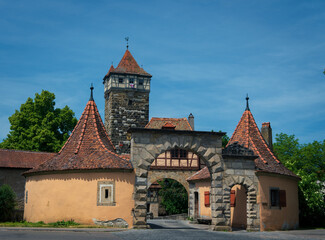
pixel 127 42
pixel 247 106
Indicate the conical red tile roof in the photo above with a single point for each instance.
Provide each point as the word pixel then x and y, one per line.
pixel 248 135
pixel 128 65
pixel 88 147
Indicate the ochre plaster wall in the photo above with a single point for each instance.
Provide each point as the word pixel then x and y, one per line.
pixel 203 186
pixel 276 218
pixel 239 212
pixel 68 196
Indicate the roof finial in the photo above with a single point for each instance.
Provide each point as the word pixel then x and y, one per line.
pixel 127 42
pixel 247 106
pixel 91 93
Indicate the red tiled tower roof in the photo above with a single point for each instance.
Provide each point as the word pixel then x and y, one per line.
pixel 127 65
pixel 88 147
pixel 10 158
pixel 248 135
pixel 179 123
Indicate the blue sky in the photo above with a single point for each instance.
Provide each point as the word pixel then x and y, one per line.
pixel 204 57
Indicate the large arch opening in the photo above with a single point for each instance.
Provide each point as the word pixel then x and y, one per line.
pixel 167 198
pixel 148 144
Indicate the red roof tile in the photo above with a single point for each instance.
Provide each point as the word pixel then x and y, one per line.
pixel 179 123
pixel 248 135
pixel 128 65
pixel 22 159
pixel 200 175
pixel 88 147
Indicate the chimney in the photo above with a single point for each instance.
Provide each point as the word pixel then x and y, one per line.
pixel 191 121
pixel 266 131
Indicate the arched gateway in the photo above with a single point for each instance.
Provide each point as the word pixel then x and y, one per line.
pixel 147 144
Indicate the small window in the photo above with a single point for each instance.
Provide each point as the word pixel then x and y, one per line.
pixel 130 102
pixel 120 80
pixel 182 153
pixel 141 82
pixel 274 197
pixel 178 153
pixel 26 197
pixel 105 193
pixel 174 153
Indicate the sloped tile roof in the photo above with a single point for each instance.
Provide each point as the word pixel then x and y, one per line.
pixel 127 65
pixel 248 135
pixel 179 123
pixel 88 147
pixel 200 175
pixel 10 158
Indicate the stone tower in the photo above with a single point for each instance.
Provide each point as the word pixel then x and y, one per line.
pixel 126 91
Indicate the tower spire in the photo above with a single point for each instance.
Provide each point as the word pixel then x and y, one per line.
pixel 247 105
pixel 91 93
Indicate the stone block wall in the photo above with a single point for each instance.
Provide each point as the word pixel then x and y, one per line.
pixel 13 177
pixel 241 171
pixel 125 109
pixel 147 144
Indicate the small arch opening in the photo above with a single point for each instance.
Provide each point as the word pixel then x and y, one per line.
pixel 238 207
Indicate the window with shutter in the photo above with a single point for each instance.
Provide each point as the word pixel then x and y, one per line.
pixel 232 198
pixel 207 199
pixel 283 200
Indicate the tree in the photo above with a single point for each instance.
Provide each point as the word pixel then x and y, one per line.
pixel 39 126
pixel 225 140
pixel 7 202
pixel 308 162
pixel 174 196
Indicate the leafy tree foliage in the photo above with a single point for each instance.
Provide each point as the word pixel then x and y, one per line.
pixel 225 140
pixel 7 202
pixel 39 126
pixel 308 162
pixel 174 196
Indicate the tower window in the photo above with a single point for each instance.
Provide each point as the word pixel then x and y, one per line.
pixel 141 82
pixel 120 80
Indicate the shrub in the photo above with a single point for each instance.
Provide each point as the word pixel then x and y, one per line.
pixel 7 202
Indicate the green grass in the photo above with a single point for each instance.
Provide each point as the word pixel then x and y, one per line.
pixel 58 224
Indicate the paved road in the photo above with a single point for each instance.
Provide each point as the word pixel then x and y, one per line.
pixel 161 230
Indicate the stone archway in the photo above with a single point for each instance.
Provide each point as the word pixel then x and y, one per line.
pixel 147 144
pixel 179 176
pixel 253 216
